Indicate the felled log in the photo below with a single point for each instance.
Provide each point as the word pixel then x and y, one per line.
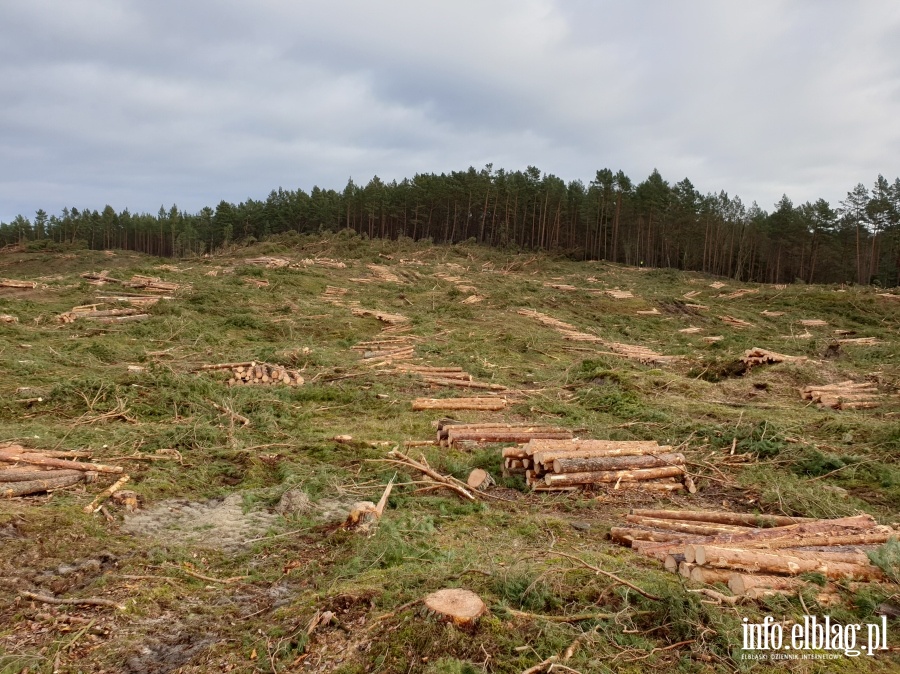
pixel 94 505
pixel 12 283
pixel 781 564
pixel 38 460
pixel 382 316
pixel 736 322
pixel 460 607
pixel 26 474
pixel 547 450
pixel 717 517
pixel 741 583
pixel 757 356
pixel 461 383
pixel 521 434
pixel 598 463
pixel 696 528
pixel 593 477
pixel 12 489
pixel 672 561
pixel 704 574
pixel 484 404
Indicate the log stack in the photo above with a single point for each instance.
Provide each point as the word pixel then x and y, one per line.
pixel 847 395
pixel 757 356
pixel 452 433
pixel 392 348
pixel 755 555
pixel 253 373
pixel 152 284
pixel 25 471
pixel 550 464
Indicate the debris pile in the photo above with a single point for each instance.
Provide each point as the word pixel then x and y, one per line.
pixel 452 433
pixel 845 395
pixel 26 471
pixel 755 555
pixel 150 284
pixel 253 373
pixel 570 464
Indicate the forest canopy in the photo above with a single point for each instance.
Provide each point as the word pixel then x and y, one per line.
pixel 652 223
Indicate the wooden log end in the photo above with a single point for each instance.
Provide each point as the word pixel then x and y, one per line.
pixel 461 607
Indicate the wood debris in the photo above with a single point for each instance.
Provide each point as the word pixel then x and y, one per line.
pixel 93 312
pixel 483 404
pixel 888 296
pixel 8 318
pixel 860 341
pixel 699 307
pixel 771 314
pixel 380 274
pixel 550 464
pixel 472 299
pixel 258 283
pixel 134 300
pixel 649 312
pixel 738 293
pixel 549 321
pixel 452 433
pixel 335 295
pixel 152 284
pixel 13 283
pixel 813 323
pixel 755 555
pixel 619 294
pixel 712 339
pixel 322 262
pixel 383 316
pixel 736 322
pixel 560 286
pixel 757 356
pixel 691 330
pixel 717 285
pixel 251 373
pixel 691 295
pixel 846 395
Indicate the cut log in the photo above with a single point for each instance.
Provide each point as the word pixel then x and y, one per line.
pixel 36 486
pixel 740 583
pixel 716 517
pixel 612 476
pixel 781 564
pixel 685 568
pixel 461 607
pixel 552 449
pixel 704 574
pixel 589 464
pixel 671 562
pixel 765 537
pixel 484 404
pixel 696 528
pixel 25 475
pixel 462 383
pixel 38 460
pixel 866 538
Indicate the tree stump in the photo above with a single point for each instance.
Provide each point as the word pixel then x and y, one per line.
pixel 479 479
pixel 461 607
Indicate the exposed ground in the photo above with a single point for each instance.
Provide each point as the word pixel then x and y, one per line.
pixel 236 549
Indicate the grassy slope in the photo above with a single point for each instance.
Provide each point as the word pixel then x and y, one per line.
pixel 502 550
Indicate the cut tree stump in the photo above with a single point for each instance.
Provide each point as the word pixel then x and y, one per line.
pixel 461 607
pixel 479 479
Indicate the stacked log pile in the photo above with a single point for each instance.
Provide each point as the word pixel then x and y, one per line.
pixel 847 395
pixel 95 313
pixel 13 283
pixel 567 464
pixel 460 283
pixel 134 300
pixel 253 373
pixel 335 295
pixel 619 294
pixel 755 555
pixel 380 274
pixel 757 356
pixel 452 433
pixel 25 471
pixel 392 348
pixel 150 284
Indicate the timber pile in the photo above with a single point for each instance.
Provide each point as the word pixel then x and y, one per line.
pixel 392 348
pixel 813 323
pixel 152 284
pixel 134 300
pixel 269 262
pixel 95 313
pixel 888 296
pixel 335 295
pixel 253 373
pixel 25 471
pixel 567 464
pixel 452 433
pixel 380 274
pixel 639 353
pixel 738 293
pixel 383 316
pixel 758 356
pixel 736 322
pixel 845 395
pixel 755 555
pixel 12 283
pixel 480 404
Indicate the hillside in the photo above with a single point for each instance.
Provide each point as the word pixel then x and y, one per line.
pixel 236 551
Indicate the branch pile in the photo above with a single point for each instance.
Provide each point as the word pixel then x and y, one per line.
pixel 255 373
pixel 26 471
pixel 846 395
pixel 755 555
pixel 454 434
pixel 568 464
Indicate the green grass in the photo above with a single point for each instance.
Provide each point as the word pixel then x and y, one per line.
pixel 797 459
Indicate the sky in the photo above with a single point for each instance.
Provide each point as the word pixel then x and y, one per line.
pixel 140 104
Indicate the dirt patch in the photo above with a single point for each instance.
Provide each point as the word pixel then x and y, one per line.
pixel 167 653
pixel 219 524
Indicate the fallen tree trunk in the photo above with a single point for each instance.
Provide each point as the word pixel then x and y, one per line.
pixel 24 475
pixel 483 404
pixel 696 528
pixel 37 486
pixel 717 517
pixel 704 574
pixel 38 460
pixel 780 564
pixel 595 463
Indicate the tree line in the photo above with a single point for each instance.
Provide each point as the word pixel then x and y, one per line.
pixel 652 223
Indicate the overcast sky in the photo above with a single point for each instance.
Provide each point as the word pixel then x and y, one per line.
pixel 143 103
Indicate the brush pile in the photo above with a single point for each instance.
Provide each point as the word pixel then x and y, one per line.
pixel 26 471
pixel 452 433
pixel 755 555
pixel 95 313
pixel 254 373
pixel 549 464
pixel 846 395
